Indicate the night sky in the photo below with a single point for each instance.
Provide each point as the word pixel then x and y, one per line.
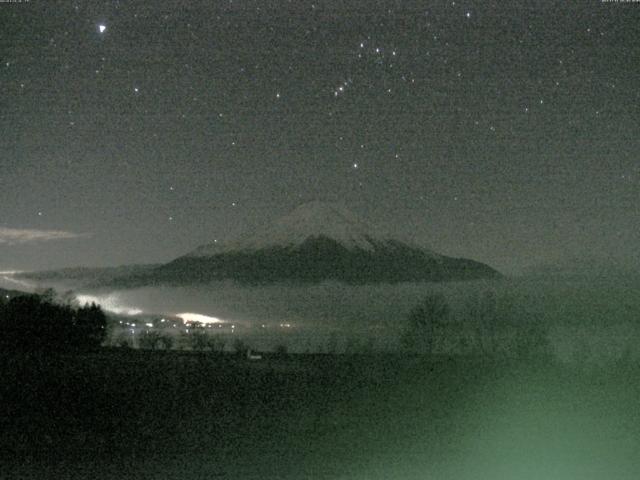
pixel 503 131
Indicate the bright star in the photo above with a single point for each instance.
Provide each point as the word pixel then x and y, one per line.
pixel 102 28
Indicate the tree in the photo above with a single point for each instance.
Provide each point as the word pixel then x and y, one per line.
pixel 154 340
pixel 240 347
pixel 149 340
pixel 30 323
pixel 36 323
pixel 123 340
pixel 216 343
pixel 280 350
pixel 166 340
pixel 199 339
pixel 482 312
pixel 424 323
pixel 90 326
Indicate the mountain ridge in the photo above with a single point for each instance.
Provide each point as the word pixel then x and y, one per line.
pixel 309 220
pixel 316 242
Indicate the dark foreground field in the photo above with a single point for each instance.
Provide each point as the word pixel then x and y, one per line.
pixel 134 414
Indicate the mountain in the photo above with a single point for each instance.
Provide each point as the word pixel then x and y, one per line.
pixel 316 242
pixel 310 220
pixel 87 276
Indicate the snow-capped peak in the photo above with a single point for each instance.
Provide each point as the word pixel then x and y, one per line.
pixel 313 219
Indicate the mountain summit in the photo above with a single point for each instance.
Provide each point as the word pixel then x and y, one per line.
pixel 316 242
pixel 311 220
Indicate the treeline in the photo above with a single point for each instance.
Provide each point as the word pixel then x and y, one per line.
pixel 39 323
pixel 484 325
pixel 196 339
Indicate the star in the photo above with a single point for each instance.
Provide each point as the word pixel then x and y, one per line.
pixel 102 28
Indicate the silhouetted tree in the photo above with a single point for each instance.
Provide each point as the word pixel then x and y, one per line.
pixel 123 340
pixel 482 313
pixel 199 339
pixel 89 326
pixel 167 341
pixel 154 340
pixel 281 350
pixel 424 323
pixel 149 340
pixel 216 343
pixel 240 347
pixel 36 323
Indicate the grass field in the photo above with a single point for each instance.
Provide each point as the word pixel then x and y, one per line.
pixel 136 414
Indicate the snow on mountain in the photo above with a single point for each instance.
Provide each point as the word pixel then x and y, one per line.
pixel 316 242
pixel 310 220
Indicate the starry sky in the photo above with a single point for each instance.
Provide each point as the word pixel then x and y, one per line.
pixel 134 131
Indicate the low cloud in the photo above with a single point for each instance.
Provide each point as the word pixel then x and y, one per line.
pixel 18 236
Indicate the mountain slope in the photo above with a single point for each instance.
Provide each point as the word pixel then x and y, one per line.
pixel 88 276
pixel 310 220
pixel 316 242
